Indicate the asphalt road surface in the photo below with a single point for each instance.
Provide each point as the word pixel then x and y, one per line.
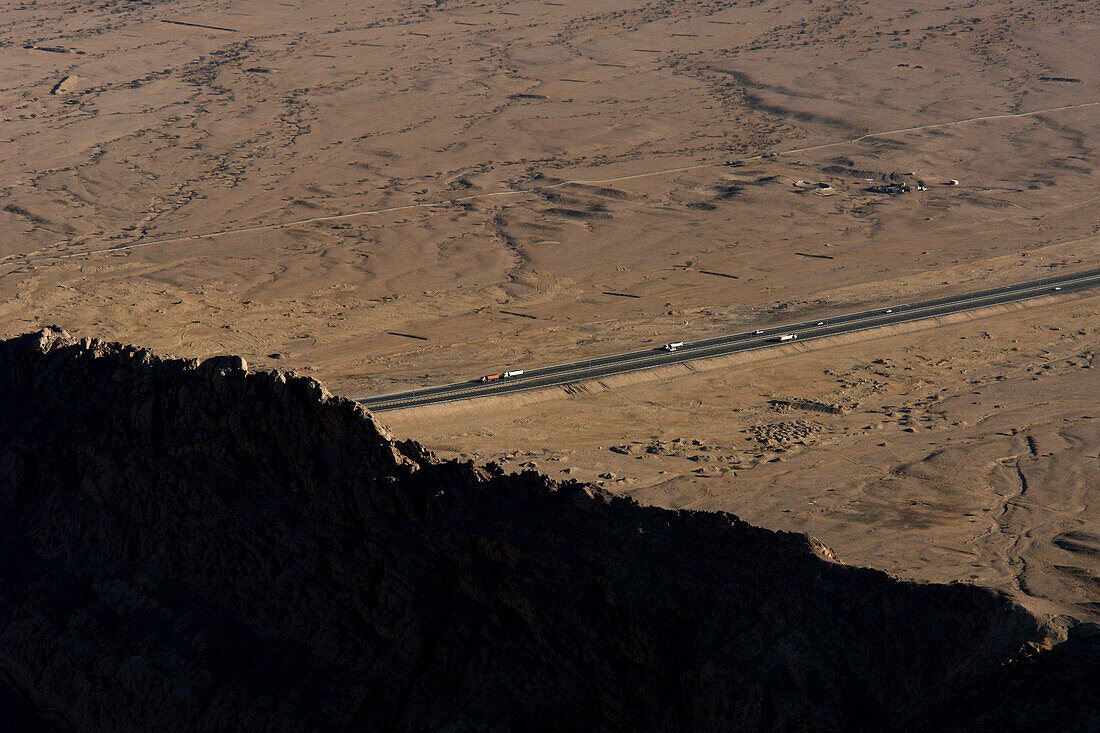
pixel 649 358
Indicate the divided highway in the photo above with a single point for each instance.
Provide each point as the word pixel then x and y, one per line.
pixel 604 366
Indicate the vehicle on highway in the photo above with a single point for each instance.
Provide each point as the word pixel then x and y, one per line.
pixel 889 310
pixel 502 375
pixel 673 346
pixel 758 332
pixel 787 337
pixel 821 323
pixel 1057 287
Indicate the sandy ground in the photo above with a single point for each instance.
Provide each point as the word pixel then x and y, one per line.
pixel 120 126
pixel 535 182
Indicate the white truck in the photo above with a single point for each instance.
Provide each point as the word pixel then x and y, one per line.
pixel 673 346
pixel 787 337
pixel 502 375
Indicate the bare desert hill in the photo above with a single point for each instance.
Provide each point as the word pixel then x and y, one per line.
pixel 193 545
pixel 394 194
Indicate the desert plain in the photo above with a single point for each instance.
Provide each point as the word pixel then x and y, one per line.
pixel 400 194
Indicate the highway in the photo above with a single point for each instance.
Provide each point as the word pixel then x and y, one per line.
pixel 604 366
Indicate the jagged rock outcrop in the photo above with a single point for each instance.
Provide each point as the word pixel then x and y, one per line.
pixel 189 545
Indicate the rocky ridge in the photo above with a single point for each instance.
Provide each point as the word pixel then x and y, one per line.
pixel 195 545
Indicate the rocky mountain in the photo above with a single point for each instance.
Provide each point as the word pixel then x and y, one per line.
pixel 191 545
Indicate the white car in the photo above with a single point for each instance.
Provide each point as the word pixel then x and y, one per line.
pixel 758 332
pixel 889 310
